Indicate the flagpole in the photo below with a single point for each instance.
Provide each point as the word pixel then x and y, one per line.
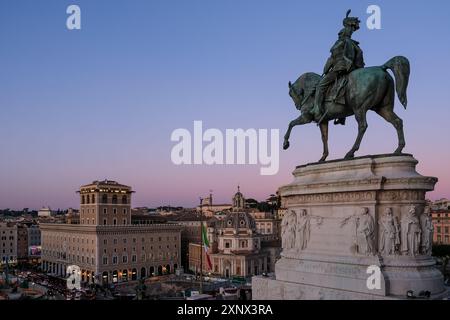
pixel 201 246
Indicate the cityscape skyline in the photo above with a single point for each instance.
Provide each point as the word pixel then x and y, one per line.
pixel 246 152
pixel 102 102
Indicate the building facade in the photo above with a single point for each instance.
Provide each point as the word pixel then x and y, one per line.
pixel 441 223
pixel 34 235
pixel 22 242
pixel 209 208
pixel 191 233
pixel 8 243
pixel 106 245
pixel 267 225
pixel 45 212
pixel 442 204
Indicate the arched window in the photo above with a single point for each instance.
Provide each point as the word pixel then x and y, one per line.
pixel 125 275
pixel 93 198
pixel 124 199
pixel 87 199
pixel 114 199
pixel 82 199
pixel 160 269
pixel 105 198
pixel 115 276
pixel 105 277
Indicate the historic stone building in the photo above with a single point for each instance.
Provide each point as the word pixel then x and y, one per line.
pixel 105 244
pixel 441 224
pixel 267 225
pixel 190 233
pixel 236 245
pixel 209 208
pixel 22 242
pixel 8 243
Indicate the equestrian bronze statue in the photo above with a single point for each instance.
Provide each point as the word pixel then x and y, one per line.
pixel 346 88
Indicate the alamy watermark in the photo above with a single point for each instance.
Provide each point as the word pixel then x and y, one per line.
pixel 74 277
pixel 236 146
pixel 374 280
pixel 73 21
pixel 373 22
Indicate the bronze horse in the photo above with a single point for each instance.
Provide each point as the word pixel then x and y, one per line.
pixel 367 89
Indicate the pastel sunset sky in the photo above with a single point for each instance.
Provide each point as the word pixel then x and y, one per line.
pixel 102 102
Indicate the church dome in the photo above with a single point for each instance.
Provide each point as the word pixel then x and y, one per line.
pixel 239 220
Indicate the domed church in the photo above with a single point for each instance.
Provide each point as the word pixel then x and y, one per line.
pixel 237 243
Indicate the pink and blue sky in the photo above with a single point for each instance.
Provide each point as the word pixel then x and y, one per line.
pixel 102 102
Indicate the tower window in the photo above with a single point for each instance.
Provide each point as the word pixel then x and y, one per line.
pixel 93 198
pixel 82 200
pixel 124 200
pixel 104 198
pixel 114 199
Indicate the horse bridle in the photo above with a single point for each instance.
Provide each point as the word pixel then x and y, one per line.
pixel 304 99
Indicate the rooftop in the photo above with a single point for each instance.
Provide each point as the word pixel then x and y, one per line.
pixel 106 182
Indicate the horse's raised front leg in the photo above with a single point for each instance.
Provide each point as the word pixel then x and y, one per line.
pixel 324 133
pixel 360 116
pixel 299 121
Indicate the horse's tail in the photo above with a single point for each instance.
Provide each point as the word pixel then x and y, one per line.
pixel 399 65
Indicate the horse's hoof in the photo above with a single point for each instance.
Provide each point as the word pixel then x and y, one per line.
pixel 323 159
pixel 285 145
pixel 399 151
pixel 349 155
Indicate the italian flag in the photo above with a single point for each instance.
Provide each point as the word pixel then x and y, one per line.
pixel 206 245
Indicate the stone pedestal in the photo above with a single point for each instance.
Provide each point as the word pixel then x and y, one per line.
pixel 347 215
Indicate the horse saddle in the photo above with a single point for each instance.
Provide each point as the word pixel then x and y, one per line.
pixel 336 92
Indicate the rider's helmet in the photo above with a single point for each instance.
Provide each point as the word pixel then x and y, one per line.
pixel 352 22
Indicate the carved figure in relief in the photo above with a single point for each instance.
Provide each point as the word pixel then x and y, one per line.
pixel 427 231
pixel 302 231
pixel 364 231
pixel 411 233
pixel 390 233
pixel 288 226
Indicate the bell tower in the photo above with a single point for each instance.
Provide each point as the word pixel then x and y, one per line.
pixel 238 200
